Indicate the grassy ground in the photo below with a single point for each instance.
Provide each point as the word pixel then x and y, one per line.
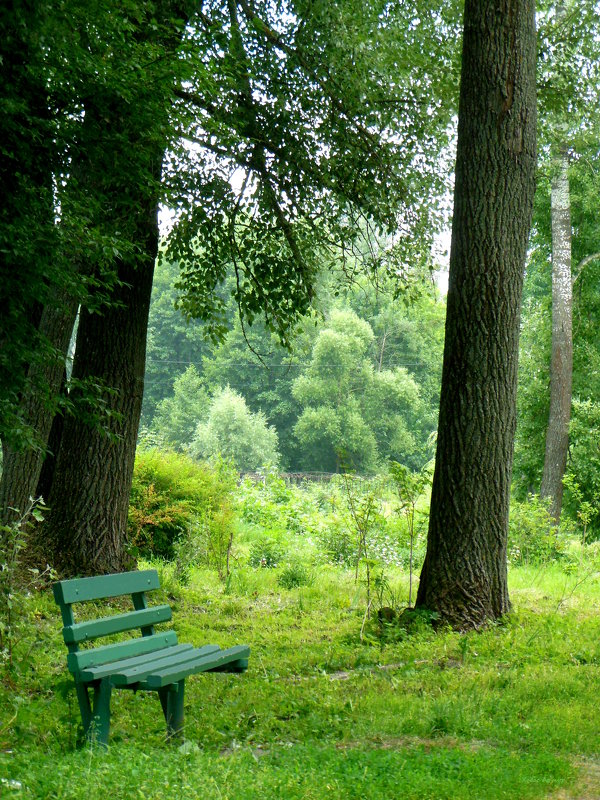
pixel 511 712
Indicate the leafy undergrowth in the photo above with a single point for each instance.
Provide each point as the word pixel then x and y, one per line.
pixel 510 712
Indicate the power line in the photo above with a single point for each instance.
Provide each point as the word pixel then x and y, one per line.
pixel 272 366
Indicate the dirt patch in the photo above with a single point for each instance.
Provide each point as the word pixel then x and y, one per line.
pixel 587 785
pixel 401 742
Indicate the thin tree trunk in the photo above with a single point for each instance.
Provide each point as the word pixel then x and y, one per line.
pixel 561 365
pixel 464 576
pixel 21 467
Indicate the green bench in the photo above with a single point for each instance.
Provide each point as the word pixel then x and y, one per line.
pixel 150 661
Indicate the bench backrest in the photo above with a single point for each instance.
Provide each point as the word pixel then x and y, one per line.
pixel 103 587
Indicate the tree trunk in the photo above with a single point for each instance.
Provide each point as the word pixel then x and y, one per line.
pixel 89 499
pixel 561 364
pixel 92 479
pixel 464 577
pixel 27 159
pixel 21 467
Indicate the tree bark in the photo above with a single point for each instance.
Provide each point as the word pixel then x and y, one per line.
pixel 561 364
pixel 89 499
pixel 85 529
pixel 464 576
pixel 27 159
pixel 21 466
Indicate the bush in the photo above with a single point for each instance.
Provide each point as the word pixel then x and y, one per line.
pixel 271 503
pixel 339 544
pixel 175 498
pixel 258 507
pixel 293 576
pixel 532 536
pixel 265 552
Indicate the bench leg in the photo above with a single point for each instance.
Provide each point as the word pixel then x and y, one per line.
pixel 85 708
pixel 99 728
pixel 171 700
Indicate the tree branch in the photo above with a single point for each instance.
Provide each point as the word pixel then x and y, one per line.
pixel 583 264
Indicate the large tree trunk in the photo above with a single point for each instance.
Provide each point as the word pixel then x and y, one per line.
pixel 464 577
pixel 561 364
pixel 92 480
pixel 27 157
pixel 85 530
pixel 22 465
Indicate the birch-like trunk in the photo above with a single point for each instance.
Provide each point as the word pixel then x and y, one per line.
pixel 561 364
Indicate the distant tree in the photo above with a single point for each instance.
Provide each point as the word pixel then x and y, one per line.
pixel 565 254
pixel 231 431
pixel 570 76
pixel 408 338
pixel 174 342
pixel 352 415
pixel 177 416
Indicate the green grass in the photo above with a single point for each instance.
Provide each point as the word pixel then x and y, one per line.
pixel 511 712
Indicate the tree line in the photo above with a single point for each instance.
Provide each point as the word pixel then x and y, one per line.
pixel 360 386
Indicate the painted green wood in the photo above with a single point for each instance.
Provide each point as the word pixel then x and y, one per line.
pixel 139 602
pixel 164 660
pixel 152 661
pixel 174 715
pixel 239 665
pixel 202 664
pixel 78 590
pixel 100 725
pixel 87 662
pixel 106 626
pixel 138 662
pixel 85 707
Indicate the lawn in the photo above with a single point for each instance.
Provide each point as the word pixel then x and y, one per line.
pixel 323 711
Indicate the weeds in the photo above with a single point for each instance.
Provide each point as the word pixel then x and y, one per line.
pixel 14 580
pixel 409 488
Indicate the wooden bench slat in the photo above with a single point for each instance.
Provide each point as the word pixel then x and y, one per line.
pixel 83 660
pixel 79 590
pixel 113 667
pixel 214 661
pixel 164 661
pixel 106 626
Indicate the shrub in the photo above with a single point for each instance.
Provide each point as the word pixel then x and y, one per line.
pixel 175 498
pixel 532 537
pixel 339 544
pixel 257 505
pixel 293 576
pixel 16 581
pixel 265 552
pixel 271 503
